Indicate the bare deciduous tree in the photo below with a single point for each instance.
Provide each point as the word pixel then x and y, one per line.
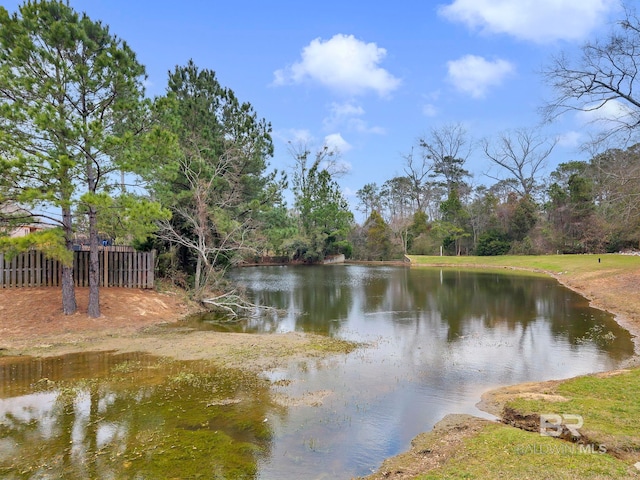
pixel 447 148
pixel 211 232
pixel 417 171
pixel 603 79
pixel 523 153
pixel 617 174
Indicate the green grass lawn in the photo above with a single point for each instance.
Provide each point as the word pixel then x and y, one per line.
pixel 547 263
pixel 608 446
pixel 609 406
pixel 506 453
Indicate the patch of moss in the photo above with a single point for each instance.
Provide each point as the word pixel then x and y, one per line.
pixel 333 345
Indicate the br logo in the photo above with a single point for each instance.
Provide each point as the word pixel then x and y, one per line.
pixel 552 425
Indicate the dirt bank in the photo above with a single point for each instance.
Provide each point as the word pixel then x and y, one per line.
pixel 430 450
pixel 32 323
pixel 32 317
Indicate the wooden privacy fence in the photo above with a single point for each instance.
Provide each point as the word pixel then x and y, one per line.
pixel 123 269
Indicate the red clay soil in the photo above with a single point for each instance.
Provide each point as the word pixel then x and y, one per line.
pixel 31 316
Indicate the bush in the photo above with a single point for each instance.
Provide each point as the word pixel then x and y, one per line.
pixel 424 245
pixel 493 243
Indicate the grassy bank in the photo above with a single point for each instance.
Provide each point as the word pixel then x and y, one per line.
pixel 606 405
pixel 607 445
pixel 552 264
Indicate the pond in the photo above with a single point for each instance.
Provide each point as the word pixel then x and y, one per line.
pixel 435 340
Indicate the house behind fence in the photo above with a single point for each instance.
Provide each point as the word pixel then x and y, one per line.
pixel 124 268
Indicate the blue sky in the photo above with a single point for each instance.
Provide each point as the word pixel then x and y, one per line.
pixel 369 78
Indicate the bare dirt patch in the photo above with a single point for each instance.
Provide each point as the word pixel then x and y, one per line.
pixel 31 317
pixel 494 401
pixel 32 323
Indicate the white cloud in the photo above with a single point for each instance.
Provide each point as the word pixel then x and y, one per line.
pixel 571 139
pixel 348 192
pixel 342 63
pixel 296 136
pixel 341 113
pixel 429 108
pixel 539 21
pixel 347 109
pixel 336 143
pixel 360 126
pixel 347 115
pixel 475 75
pixel 336 146
pixel 611 115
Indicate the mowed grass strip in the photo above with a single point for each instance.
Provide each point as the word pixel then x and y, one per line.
pixel 502 452
pixel 553 264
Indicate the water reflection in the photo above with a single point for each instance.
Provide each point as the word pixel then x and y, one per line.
pixel 441 338
pixel 103 416
pixel 356 301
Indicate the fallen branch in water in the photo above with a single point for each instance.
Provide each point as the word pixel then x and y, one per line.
pixel 233 304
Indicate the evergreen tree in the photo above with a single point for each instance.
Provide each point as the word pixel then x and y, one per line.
pixel 217 188
pixel 324 216
pixel 70 102
pixel 378 243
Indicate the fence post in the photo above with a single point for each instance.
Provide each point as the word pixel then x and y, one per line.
pixel 151 268
pixel 105 268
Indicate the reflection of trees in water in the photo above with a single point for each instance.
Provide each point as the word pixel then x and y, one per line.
pixel 443 298
pixel 326 301
pixel 141 420
pixel 320 296
pixel 514 302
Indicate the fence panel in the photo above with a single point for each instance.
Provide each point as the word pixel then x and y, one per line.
pixel 118 268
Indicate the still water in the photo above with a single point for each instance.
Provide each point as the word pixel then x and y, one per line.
pixel 435 340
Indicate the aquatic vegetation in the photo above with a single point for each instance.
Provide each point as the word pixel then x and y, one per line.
pixel 139 419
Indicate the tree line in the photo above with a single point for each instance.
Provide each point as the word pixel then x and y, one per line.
pixel 581 207
pixel 84 151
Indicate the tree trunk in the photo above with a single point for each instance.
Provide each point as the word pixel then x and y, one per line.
pixel 69 305
pixel 196 281
pixel 94 266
